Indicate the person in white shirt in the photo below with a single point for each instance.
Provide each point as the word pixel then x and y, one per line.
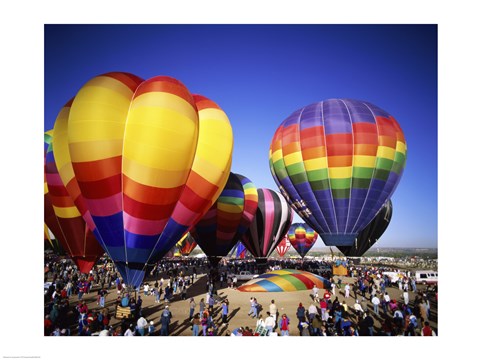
pixel 315 293
pixel 312 312
pixel 273 310
pixel 141 325
pixel 269 323
pixel 129 331
pixel 358 308
pixel 375 302
pixel 347 290
pixel 405 297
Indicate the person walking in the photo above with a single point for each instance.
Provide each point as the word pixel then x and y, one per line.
pixel 201 306
pixel 224 312
pixel 300 315
pixel 273 310
pixel 165 321
pixel 269 323
pixel 375 302
pixel 406 299
pixel 252 307
pixel 312 312
pixel 347 290
pixel 192 306
pixel 204 323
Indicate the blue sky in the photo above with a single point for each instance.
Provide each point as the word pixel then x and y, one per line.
pixel 260 74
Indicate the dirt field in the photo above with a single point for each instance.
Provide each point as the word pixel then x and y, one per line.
pixel 287 302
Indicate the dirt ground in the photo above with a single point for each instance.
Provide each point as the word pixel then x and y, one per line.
pixel 287 302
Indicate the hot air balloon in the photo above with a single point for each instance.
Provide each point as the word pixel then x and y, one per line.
pixel 337 162
pixel 370 234
pixel 270 224
pixel 186 244
pixel 239 251
pixel 227 220
pixel 50 219
pixel 283 246
pixel 149 159
pixel 302 237
pixel 76 239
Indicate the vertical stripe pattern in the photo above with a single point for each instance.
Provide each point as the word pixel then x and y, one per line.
pixel 270 224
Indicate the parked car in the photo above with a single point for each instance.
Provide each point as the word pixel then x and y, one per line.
pixel 245 276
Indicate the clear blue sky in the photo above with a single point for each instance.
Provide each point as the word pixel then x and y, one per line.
pixel 260 74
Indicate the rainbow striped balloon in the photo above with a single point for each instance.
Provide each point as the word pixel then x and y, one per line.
pixel 76 239
pixel 50 219
pixel 285 280
pixel 302 237
pixel 337 162
pixel 149 159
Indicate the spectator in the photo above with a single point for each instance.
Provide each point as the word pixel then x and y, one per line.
pixel 284 324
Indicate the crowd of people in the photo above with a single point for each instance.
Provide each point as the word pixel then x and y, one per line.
pixel 325 315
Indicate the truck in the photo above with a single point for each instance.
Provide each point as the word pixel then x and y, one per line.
pixel 245 276
pixel 426 277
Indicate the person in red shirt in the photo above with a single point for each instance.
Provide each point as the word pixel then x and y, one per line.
pixel 427 330
pixel 284 323
pixel 323 309
pixel 48 325
pixel 327 295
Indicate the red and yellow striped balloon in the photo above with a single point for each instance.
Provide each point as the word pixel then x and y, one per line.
pixel 149 159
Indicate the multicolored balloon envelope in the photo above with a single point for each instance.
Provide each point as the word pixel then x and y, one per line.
pixel 239 251
pixel 50 219
pixel 270 224
pixel 302 237
pixel 283 246
pixel 370 235
pixel 145 161
pixel 337 162
pixel 285 280
pixel 71 230
pixel 228 219
pixel 186 244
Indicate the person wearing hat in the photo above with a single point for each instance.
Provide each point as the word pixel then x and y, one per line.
pixel 151 328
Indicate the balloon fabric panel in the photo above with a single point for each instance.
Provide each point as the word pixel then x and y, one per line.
pixel 216 232
pixel 371 233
